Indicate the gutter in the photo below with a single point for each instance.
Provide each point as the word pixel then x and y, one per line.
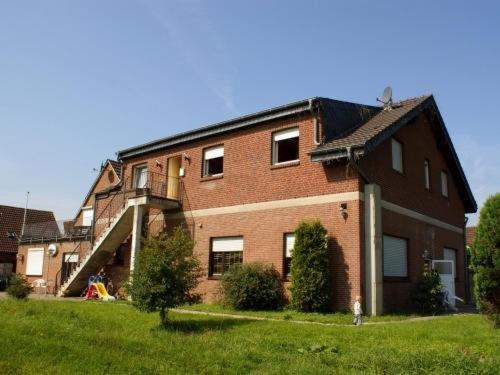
pixel 220 128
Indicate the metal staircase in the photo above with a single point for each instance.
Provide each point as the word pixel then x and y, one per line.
pixel 112 227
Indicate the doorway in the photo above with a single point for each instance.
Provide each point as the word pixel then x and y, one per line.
pixel 446 271
pixel 173 177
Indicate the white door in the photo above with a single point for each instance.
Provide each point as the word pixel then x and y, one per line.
pixel 446 270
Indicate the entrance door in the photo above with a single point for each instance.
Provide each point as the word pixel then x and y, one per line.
pixel 70 261
pixel 174 167
pixel 446 270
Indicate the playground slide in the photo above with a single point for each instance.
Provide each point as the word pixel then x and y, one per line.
pixel 102 292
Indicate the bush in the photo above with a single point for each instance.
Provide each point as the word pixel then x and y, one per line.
pixel 19 287
pixel 4 281
pixel 253 286
pixel 427 293
pixel 165 273
pixel 310 289
pixel 485 259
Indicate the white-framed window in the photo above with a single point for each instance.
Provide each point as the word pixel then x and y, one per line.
pixel 71 258
pixel 225 252
pixel 140 176
pixel 397 155
pixel 34 262
pixel 395 254
pixel 88 216
pixel 427 174
pixel 286 146
pixel 213 161
pixel 289 245
pixel 444 184
pixel 451 254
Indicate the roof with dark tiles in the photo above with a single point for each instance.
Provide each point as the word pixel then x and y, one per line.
pixel 11 221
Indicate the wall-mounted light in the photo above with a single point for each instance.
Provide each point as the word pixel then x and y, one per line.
pixel 186 157
pixel 343 211
pixel 20 257
pixel 426 256
pixel 158 163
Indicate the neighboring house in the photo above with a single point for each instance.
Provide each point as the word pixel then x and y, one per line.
pixel 386 184
pixel 11 227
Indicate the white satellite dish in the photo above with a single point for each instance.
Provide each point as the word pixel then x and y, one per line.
pixel 386 99
pixel 52 250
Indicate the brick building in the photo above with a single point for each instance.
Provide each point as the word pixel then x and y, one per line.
pixel 11 227
pixel 385 182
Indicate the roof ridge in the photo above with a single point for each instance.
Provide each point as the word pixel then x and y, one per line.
pixel 22 208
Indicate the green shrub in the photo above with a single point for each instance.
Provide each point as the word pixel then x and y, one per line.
pixel 252 286
pixel 485 259
pixel 165 273
pixel 4 281
pixel 19 287
pixel 310 289
pixel 427 293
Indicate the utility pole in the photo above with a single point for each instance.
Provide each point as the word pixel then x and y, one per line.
pixel 25 211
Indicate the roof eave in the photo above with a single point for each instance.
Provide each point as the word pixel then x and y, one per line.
pixel 220 128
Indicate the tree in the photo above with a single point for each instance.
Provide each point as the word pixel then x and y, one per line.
pixel 310 289
pixel 165 273
pixel 485 259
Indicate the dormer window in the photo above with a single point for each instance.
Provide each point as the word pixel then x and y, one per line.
pixel 286 146
pixel 213 161
pixel 397 156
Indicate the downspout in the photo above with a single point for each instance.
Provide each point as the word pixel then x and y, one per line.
pixel 468 295
pixel 351 161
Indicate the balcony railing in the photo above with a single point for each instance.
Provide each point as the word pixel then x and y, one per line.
pixel 54 230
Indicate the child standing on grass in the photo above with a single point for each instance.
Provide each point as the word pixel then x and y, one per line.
pixel 358 312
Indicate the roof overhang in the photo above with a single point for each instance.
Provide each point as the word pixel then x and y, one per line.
pixel 356 151
pixel 242 122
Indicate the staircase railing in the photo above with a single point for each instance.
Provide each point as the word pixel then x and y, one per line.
pixel 154 184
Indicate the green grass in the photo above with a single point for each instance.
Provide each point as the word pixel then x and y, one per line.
pixel 72 337
pixel 336 318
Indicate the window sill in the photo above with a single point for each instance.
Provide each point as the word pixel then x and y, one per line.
pixel 211 178
pixel 285 164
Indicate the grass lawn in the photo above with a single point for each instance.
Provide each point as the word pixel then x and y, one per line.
pixel 336 318
pixel 70 337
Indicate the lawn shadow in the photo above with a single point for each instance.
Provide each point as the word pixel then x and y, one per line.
pixel 199 325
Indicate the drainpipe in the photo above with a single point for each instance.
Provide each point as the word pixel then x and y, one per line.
pixel 466 264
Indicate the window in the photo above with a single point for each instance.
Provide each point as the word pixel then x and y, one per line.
pixel 451 254
pixel 427 175
pixel 226 252
pixel 140 176
pixel 395 256
pixel 397 156
pixel 286 146
pixel 444 184
pixel 88 216
pixel 213 161
pixel 289 244
pixel 34 262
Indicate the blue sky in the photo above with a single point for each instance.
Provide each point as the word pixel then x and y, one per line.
pixel 82 80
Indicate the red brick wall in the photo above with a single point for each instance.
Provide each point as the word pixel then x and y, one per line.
pixel 51 265
pixel 249 176
pixel 263 233
pixel 408 190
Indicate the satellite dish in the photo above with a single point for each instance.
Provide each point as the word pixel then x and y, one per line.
pixel 52 250
pixel 386 99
